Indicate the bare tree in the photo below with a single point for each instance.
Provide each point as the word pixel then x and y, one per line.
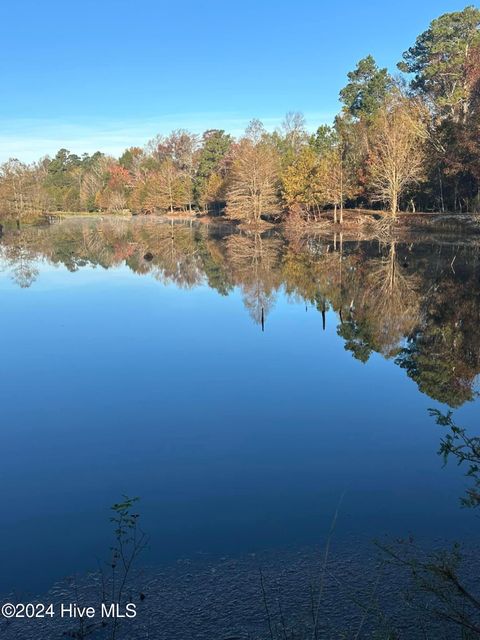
pixel 294 131
pixel 168 188
pixel 21 189
pixel 253 184
pixel 397 154
pixel 180 148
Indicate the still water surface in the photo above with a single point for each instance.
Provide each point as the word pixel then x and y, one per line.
pixel 134 361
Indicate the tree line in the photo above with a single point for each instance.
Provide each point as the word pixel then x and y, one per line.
pixel 409 142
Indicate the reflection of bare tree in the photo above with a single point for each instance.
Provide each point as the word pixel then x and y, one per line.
pixel 254 261
pixel 24 271
pixel 393 297
pixel 94 245
pixel 377 301
pixel 175 256
pixel 20 260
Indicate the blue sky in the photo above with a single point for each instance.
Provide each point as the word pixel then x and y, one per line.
pixel 113 73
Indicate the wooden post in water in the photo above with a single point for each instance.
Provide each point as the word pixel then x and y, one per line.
pixel 263 320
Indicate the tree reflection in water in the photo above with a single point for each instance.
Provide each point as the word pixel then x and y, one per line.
pixel 400 298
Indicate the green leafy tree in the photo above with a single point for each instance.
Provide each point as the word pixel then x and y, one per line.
pixel 357 339
pixel 63 180
pixel 445 63
pixel 324 139
pixel 366 90
pixel 440 60
pixel 215 146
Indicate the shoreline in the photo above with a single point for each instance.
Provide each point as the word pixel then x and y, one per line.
pixel 358 225
pixel 353 219
pixel 208 596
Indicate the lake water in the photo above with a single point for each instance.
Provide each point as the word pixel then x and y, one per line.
pixel 239 383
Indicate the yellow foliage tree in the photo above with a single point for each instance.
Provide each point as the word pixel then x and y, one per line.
pixel 302 181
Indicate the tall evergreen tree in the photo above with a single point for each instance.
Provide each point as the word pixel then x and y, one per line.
pixel 367 88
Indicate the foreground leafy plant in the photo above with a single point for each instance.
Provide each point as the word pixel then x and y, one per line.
pixel 439 593
pixel 129 542
pixel 463 447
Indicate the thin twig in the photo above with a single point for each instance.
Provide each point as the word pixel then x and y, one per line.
pixel 266 603
pixel 324 566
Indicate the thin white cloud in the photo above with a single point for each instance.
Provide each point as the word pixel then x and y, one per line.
pixel 30 139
